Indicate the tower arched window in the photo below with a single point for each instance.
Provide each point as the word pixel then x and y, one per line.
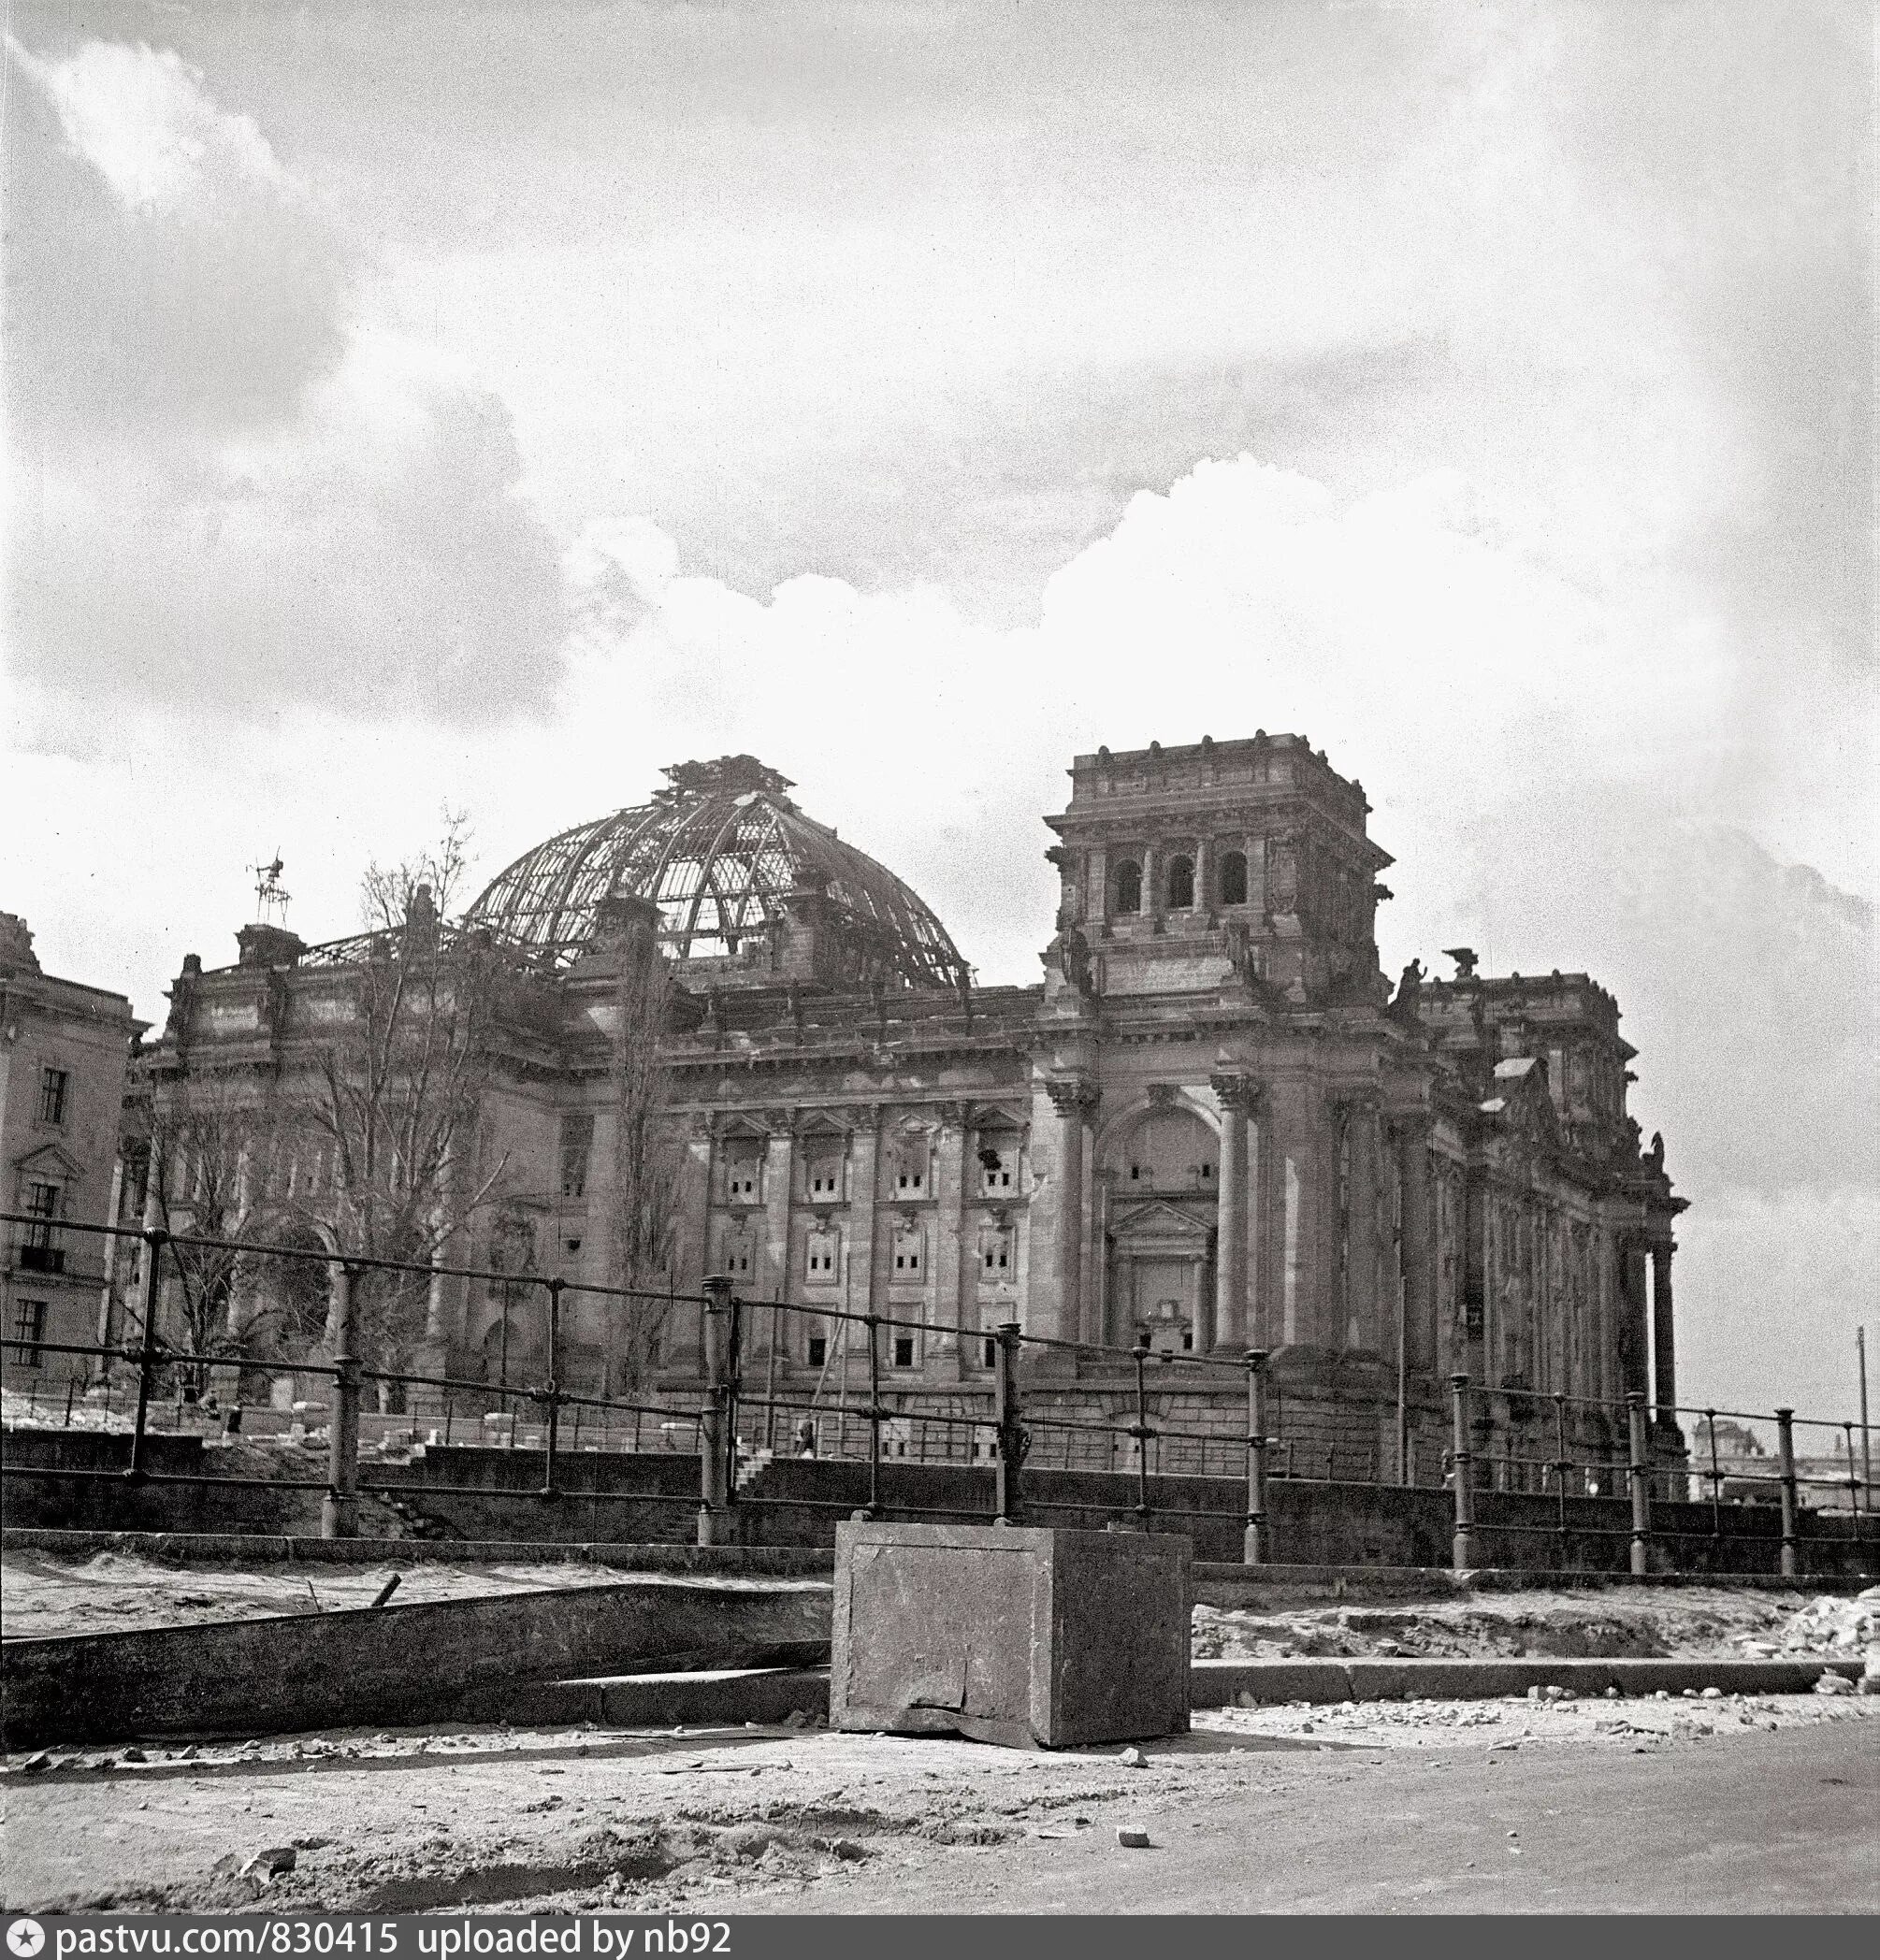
pixel 1181 883
pixel 1233 878
pixel 1129 886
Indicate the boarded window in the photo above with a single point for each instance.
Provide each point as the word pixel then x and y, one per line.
pixel 743 1170
pixel 821 1257
pixel 998 1166
pixel 1129 886
pixel 1233 878
pixel 822 1171
pixel 910 1167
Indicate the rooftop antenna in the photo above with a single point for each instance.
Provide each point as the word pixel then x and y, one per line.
pixel 271 895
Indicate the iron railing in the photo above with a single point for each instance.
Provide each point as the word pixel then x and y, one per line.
pixel 1023 1404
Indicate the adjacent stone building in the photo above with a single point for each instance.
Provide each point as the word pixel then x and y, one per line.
pixel 1215 1123
pixel 63 1052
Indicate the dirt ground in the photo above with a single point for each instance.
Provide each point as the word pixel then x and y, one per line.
pixel 1744 1802
pixel 41 1593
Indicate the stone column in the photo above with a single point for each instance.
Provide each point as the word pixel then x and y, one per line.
pixel 1203 870
pixel 1417 1243
pixel 1232 1327
pixel 1630 1316
pixel 1152 884
pixel 953 1259
pixel 680 1345
pixel 864 1171
pixel 1359 1316
pixel 1293 1259
pixel 1664 1342
pixel 772 1277
pixel 1070 1099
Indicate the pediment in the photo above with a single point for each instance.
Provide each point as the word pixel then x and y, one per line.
pixel 48 1159
pixel 737 1127
pixel 1161 1222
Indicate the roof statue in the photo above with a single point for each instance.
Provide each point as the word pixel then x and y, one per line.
pixel 725 854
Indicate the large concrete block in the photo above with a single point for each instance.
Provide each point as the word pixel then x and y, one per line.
pixel 1025 1638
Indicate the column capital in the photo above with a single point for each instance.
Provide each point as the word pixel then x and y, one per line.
pixel 1236 1092
pixel 1073 1095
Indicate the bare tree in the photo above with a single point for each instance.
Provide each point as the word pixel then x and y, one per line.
pixel 394 1093
pixel 210 1162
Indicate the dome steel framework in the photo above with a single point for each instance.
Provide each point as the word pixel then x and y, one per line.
pixel 721 851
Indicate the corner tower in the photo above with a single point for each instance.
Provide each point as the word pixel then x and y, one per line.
pixel 1188 869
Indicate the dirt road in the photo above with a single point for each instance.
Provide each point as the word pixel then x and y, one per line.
pixel 1756 1804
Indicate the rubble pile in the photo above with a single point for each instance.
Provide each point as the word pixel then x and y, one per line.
pixel 1832 1626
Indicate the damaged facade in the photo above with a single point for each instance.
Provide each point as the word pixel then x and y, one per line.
pixel 1215 1122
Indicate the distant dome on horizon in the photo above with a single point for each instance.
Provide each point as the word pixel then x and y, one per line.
pixel 722 850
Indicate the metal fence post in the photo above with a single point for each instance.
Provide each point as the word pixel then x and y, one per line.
pixel 1462 1546
pixel 1253 1547
pixel 1716 1483
pixel 734 1389
pixel 1784 1457
pixel 1005 1415
pixel 1141 1432
pixel 338 1508
pixel 1640 1473
pixel 872 1326
pixel 1560 1468
pixel 712 1518
pixel 551 1394
pixel 154 1240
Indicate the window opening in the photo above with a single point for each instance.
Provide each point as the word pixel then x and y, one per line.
pixel 1129 886
pixel 903 1350
pixel 53 1084
pixel 1181 884
pixel 577 1141
pixel 29 1330
pixel 818 1351
pixel 1233 878
pixel 995 1169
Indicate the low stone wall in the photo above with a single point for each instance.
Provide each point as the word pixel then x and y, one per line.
pixel 618 1497
pixel 94 1495
pixel 441 1659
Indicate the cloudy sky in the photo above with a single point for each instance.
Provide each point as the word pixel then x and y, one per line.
pixel 484 405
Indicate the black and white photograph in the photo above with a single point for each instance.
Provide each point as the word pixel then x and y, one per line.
pixel 937 972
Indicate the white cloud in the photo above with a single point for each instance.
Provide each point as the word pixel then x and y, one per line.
pixel 140 117
pixel 227 495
